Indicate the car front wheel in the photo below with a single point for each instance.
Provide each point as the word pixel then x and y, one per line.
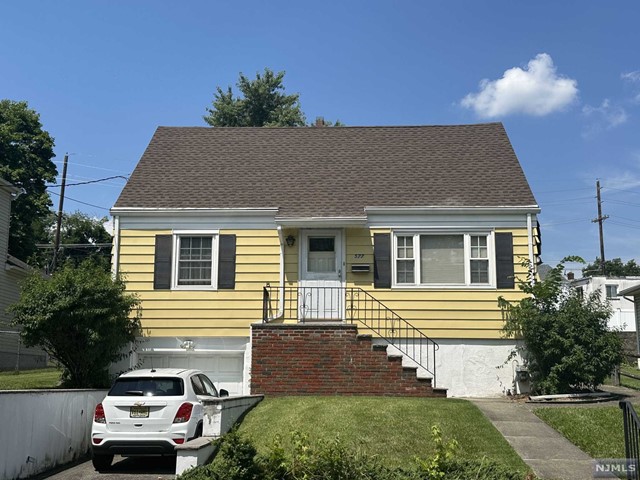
pixel 101 462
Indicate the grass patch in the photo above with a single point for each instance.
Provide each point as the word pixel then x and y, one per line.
pixel 626 381
pixel 598 431
pixel 395 429
pixel 28 379
pixel 630 382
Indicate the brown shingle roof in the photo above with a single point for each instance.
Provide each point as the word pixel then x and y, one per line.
pixel 328 171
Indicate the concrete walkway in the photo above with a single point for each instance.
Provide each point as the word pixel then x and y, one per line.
pixel 548 453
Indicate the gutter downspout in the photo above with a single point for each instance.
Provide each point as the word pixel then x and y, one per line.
pixel 115 269
pixel 115 266
pixel 282 247
pixel 530 242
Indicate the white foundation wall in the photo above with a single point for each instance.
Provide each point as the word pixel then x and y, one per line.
pixel 469 368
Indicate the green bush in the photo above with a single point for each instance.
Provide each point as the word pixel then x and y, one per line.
pixel 567 344
pixel 80 316
pixel 237 459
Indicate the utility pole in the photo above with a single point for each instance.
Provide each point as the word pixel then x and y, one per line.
pixel 56 245
pixel 601 218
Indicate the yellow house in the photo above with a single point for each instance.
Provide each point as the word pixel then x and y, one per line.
pixel 408 234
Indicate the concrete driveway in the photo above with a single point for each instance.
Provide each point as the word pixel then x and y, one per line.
pixel 157 468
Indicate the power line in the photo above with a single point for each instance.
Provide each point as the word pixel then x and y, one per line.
pixel 565 201
pixel 628 190
pixel 622 202
pixel 91 181
pixel 566 222
pixel 80 201
pixel 621 224
pixel 75 245
pixel 92 166
pixel 625 218
pixel 564 190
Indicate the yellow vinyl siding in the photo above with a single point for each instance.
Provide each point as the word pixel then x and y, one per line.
pixel 441 313
pixel 201 312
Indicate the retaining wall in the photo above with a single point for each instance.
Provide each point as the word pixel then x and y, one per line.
pixel 42 429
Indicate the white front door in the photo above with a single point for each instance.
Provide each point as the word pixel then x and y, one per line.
pixel 321 296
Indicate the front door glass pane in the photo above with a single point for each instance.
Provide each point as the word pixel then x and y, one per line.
pixel 321 255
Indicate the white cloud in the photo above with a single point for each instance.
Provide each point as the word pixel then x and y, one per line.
pixel 631 76
pixel 606 116
pixel 535 90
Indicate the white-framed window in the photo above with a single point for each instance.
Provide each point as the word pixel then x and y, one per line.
pixel 611 291
pixel 443 259
pixel 195 264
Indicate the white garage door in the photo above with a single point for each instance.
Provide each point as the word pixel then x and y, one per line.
pixel 225 371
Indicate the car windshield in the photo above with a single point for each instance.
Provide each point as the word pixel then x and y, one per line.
pixel 147 386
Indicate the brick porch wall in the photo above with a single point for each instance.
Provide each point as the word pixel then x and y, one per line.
pixel 328 359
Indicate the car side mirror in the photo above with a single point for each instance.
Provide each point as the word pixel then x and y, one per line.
pixel 223 393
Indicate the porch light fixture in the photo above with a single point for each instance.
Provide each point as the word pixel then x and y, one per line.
pixel 188 345
pixel 291 240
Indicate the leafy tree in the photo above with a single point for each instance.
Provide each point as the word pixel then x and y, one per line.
pixel 80 316
pixel 566 342
pixel 613 268
pixel 263 104
pixel 321 122
pixel 81 238
pixel 26 151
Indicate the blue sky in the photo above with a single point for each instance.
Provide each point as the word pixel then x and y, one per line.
pixel 563 77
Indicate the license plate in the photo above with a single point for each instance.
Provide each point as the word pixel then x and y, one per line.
pixel 139 412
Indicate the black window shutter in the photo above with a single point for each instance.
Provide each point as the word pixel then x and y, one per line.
pixel 227 262
pixel 382 260
pixel 162 262
pixel 505 276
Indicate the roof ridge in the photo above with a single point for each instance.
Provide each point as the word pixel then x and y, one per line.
pixel 351 127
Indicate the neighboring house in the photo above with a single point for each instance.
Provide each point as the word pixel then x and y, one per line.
pixel 13 355
pixel 622 318
pixel 315 230
pixel 632 294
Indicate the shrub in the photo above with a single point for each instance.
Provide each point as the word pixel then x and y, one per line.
pixel 82 318
pixel 333 460
pixel 567 344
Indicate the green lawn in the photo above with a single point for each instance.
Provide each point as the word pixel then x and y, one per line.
pixel 630 382
pixel 395 429
pixel 27 379
pixel 598 431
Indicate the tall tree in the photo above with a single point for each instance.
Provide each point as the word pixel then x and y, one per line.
pixel 613 268
pixel 81 238
pixel 263 104
pixel 26 151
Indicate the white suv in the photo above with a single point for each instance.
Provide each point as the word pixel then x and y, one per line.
pixel 149 412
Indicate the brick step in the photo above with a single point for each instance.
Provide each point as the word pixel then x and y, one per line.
pixel 290 359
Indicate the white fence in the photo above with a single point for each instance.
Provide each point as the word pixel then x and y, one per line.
pixel 42 429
